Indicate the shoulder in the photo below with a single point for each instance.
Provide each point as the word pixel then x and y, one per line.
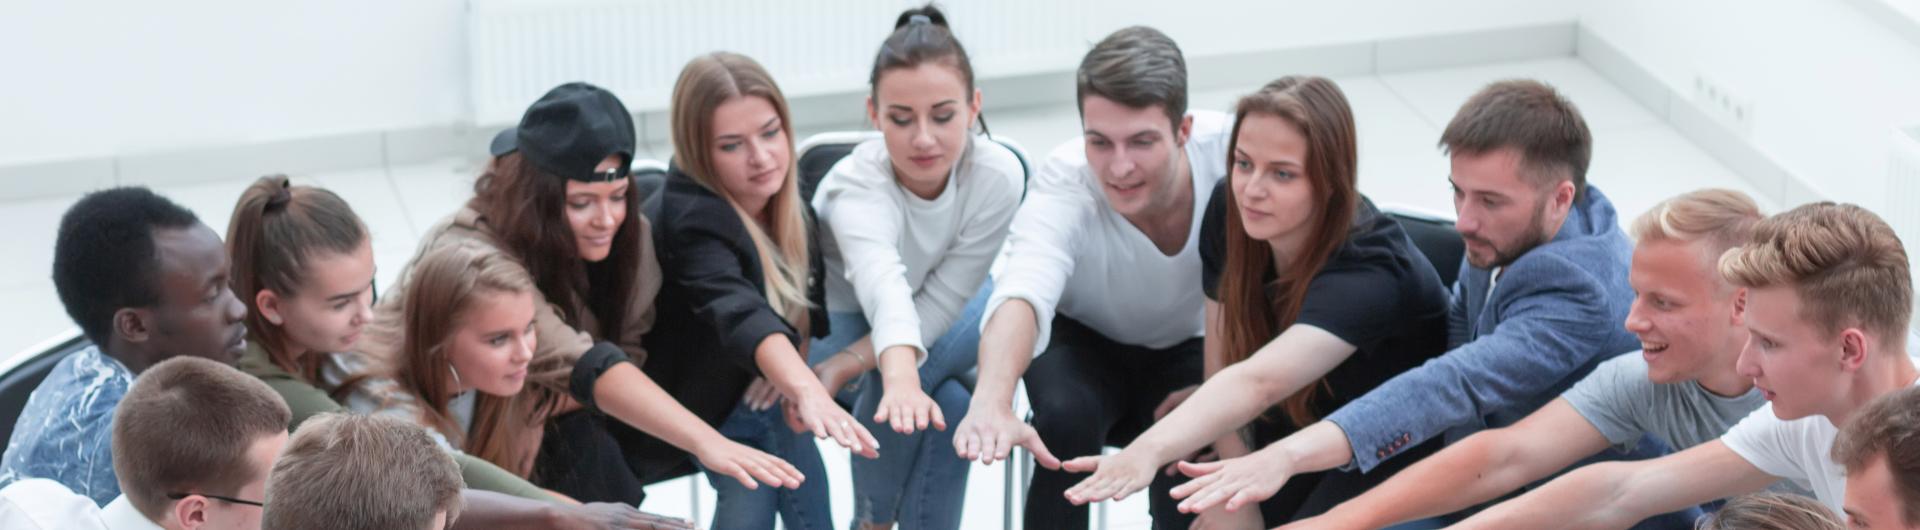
pixel 45 503
pixel 865 167
pixel 87 383
pixel 1559 267
pixel 1762 430
pixel 1623 375
pixel 994 168
pixel 1210 126
pixel 683 203
pixel 1063 172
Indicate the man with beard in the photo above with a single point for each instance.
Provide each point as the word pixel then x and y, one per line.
pixel 1546 272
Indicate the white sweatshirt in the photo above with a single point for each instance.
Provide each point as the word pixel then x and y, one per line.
pixel 1069 252
pixel 907 263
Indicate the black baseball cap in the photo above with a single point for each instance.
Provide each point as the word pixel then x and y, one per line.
pixel 504 142
pixel 569 131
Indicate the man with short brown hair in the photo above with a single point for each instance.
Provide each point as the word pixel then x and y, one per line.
pixel 354 472
pixel 1119 206
pixel 193 441
pixel 1880 448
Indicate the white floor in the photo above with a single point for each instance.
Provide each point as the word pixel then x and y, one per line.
pixel 1638 161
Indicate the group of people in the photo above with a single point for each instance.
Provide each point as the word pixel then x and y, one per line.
pixel 1208 291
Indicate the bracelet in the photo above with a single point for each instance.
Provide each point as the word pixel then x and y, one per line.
pixel 859 358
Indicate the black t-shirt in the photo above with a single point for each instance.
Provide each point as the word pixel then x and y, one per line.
pixel 1376 292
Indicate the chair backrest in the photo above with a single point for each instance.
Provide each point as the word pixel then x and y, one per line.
pixel 1435 237
pixel 820 152
pixel 649 176
pixel 18 380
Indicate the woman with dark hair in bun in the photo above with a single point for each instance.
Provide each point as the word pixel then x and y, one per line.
pixel 911 223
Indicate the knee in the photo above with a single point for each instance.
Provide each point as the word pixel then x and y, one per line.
pixel 953 398
pixel 1070 433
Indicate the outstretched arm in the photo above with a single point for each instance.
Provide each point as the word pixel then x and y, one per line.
pixel 989 432
pixel 1478 469
pixel 1228 400
pixel 1619 494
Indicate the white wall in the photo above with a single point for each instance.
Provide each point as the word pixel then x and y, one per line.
pixel 1205 27
pixel 1828 83
pixel 116 77
pixel 103 78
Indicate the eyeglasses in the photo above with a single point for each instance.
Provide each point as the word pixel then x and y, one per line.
pixel 178 496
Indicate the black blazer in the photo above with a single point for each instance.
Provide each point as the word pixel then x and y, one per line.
pixel 712 311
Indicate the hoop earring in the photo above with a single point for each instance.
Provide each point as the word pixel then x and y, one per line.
pixel 456 375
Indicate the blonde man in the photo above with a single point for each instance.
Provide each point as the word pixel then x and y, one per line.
pixel 1681 389
pixel 1828 300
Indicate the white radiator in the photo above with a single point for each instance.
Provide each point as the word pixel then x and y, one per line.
pixel 1903 195
pixel 636 48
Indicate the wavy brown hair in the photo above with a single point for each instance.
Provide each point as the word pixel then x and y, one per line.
pixel 276 229
pixel 525 212
pixel 707 82
pixel 410 342
pixel 1254 311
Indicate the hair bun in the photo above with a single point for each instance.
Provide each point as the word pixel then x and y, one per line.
pixel 282 192
pixel 927 14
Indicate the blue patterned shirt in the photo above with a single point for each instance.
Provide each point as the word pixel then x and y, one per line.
pixel 65 433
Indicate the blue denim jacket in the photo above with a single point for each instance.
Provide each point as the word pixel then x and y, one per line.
pixel 65 433
pixel 1555 314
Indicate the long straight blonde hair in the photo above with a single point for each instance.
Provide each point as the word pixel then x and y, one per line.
pixel 707 82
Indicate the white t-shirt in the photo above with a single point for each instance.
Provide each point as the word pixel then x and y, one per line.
pixel 42 504
pixel 121 515
pixel 910 264
pixel 1070 253
pixel 1799 450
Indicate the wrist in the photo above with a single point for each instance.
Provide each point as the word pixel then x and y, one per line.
pixel 988 401
pixel 552 515
pixel 897 367
pixel 1283 455
pixel 856 360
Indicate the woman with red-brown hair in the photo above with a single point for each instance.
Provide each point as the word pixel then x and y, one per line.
pixel 1316 298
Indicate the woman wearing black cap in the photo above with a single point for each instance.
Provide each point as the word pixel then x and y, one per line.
pixel 743 281
pixel 557 199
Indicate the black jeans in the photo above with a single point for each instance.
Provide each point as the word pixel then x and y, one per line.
pixel 1089 392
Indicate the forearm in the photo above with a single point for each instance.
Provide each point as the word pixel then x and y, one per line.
pixel 1006 349
pixel 1231 446
pixel 1217 409
pixel 863 350
pixel 785 369
pixel 487 510
pixel 898 369
pixel 1478 469
pixel 480 474
pixel 1590 497
pixel 628 395
pixel 1319 447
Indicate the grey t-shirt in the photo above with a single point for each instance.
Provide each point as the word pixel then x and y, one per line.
pixel 1619 400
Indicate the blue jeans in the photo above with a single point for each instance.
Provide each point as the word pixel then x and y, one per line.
pixel 803 508
pixel 917 481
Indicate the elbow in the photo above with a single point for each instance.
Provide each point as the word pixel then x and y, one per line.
pixel 1613 500
pixel 1268 388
